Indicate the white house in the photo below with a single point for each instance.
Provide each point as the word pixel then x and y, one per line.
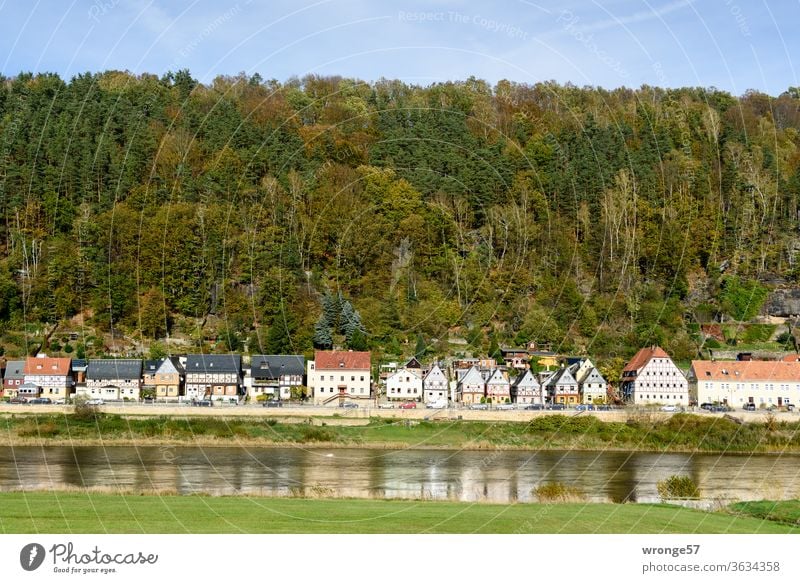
pixel 652 378
pixel 498 389
pixel 405 384
pixel 736 383
pixel 562 388
pixel 435 385
pixel 274 375
pixel 527 390
pixel 52 375
pixel 592 386
pixel 471 386
pixel 114 379
pixel 335 376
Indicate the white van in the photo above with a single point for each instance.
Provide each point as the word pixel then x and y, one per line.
pixel 440 404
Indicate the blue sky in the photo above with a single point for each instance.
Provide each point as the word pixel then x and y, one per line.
pixel 734 45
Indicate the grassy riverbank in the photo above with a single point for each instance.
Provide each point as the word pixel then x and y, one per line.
pixel 59 512
pixel 783 511
pixel 680 433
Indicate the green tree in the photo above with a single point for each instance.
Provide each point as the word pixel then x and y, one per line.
pixel 281 332
pixel 323 334
pixel 742 299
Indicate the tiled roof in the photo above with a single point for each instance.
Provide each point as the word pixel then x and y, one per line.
pixel 151 366
pixel 15 369
pixel 114 368
pixel 47 366
pixel 746 370
pixel 643 357
pixel 213 363
pixel 561 377
pixel 340 359
pixel 273 366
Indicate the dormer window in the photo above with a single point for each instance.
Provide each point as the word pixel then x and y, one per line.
pixel 341 364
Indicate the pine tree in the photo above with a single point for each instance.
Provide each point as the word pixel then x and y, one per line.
pixel 421 347
pixel 358 341
pixel 279 335
pixel 323 335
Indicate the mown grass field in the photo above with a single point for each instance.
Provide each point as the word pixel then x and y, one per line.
pixel 71 512
pixel 679 432
pixel 783 511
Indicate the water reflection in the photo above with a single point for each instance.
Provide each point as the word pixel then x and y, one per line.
pixel 500 476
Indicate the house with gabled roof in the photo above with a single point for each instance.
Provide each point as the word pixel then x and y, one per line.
pixel 526 389
pixel 13 377
pixel 169 378
pixel 592 386
pixel 498 389
pixel 405 385
pixel 435 385
pixel 472 387
pixel 275 375
pixel 651 377
pixel 213 376
pixel 52 375
pixel 113 379
pixel 762 383
pixel 149 368
pixel 338 376
pixel 562 388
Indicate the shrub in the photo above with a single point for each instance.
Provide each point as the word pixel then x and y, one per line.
pixel 557 492
pixel 678 487
pixel 83 411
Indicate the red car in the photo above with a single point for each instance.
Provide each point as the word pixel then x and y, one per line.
pixel 408 405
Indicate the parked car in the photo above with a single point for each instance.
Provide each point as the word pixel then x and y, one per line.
pixel 95 402
pixel 749 407
pixel 40 401
pixel 18 400
pixel 557 406
pixel 707 406
pixel 408 405
pixel 790 406
pixel 385 405
pixel 273 403
pixel 506 407
pixel 442 404
pixel 588 407
pixel 720 409
pixel 479 406
pixel 203 403
pixel 669 408
pixel 604 407
pixel 349 405
pixel 534 407
pixel 61 401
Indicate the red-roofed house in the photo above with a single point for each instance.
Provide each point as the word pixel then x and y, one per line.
pixel 736 383
pixel 651 378
pixel 52 375
pixel 336 376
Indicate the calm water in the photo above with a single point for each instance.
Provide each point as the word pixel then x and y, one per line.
pixel 501 476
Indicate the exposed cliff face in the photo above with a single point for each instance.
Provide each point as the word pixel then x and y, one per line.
pixel 783 303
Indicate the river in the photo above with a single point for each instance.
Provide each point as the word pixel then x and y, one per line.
pixel 496 476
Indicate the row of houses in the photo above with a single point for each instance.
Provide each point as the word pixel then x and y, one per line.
pixel 334 377
pixel 194 376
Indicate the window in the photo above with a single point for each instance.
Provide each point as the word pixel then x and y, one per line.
pixel 362 378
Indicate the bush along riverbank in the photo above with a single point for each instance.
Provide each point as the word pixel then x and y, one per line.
pixel 680 433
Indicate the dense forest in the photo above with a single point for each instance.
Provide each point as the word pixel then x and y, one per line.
pixel 268 216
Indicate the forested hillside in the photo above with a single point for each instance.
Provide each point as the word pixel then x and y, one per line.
pixel 594 220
